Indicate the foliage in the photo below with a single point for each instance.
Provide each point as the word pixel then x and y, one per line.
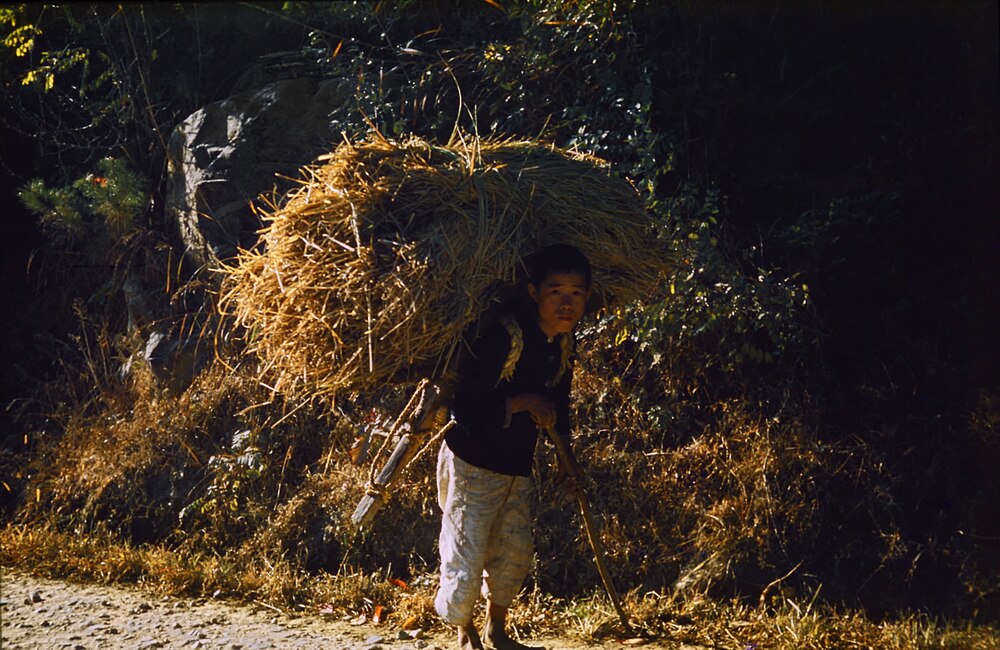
pixel 561 72
pixel 95 229
pixel 232 479
pixel 721 310
pixel 21 37
pixel 51 43
pixel 114 78
pixel 96 208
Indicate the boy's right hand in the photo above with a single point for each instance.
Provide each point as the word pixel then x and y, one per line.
pixel 541 408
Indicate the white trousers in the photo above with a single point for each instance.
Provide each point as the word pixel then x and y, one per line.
pixel 485 540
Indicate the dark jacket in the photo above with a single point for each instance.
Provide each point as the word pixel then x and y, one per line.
pixel 483 435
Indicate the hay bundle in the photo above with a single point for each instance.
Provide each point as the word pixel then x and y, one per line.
pixel 375 265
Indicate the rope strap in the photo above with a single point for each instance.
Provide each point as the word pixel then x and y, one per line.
pixel 566 347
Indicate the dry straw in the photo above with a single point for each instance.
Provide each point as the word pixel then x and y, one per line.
pixel 375 264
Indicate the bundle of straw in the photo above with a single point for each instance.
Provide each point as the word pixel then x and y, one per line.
pixel 374 266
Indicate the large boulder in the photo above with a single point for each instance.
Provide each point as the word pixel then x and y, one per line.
pixel 221 160
pixel 226 155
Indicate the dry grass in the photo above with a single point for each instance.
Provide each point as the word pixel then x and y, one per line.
pixel 803 624
pixel 97 469
pixel 680 522
pixel 734 509
pixel 783 622
pixel 372 269
pixel 682 525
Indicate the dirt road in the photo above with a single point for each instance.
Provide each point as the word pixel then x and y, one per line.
pixel 37 614
pixel 51 614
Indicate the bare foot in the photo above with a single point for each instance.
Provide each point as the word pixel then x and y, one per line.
pixel 468 638
pixel 496 638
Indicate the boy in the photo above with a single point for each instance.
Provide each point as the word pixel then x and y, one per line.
pixel 516 381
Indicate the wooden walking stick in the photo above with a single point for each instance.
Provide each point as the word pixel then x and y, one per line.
pixel 592 534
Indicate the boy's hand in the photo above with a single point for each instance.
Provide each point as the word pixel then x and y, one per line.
pixel 541 408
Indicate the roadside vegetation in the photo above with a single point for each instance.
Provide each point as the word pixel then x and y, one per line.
pixel 792 444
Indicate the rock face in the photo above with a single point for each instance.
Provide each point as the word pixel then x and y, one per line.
pixel 226 155
pixel 175 359
pixel 221 160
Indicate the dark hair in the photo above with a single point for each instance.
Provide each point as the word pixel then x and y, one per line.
pixel 559 258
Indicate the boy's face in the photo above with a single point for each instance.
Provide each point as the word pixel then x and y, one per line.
pixel 561 299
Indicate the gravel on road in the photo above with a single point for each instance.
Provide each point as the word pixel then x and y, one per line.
pixel 46 614
pixel 38 613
